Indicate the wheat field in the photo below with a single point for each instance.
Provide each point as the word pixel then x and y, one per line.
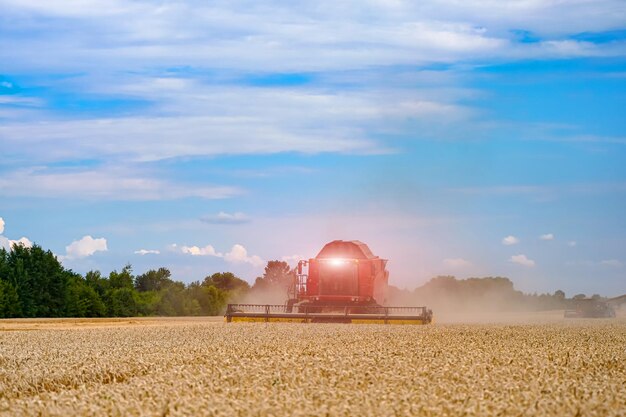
pixel 176 367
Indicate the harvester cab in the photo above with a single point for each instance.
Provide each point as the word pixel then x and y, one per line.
pixel 343 273
pixel 344 283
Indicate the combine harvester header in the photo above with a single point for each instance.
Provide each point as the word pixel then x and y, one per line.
pixel 342 284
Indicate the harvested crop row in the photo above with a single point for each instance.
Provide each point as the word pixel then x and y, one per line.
pixel 311 370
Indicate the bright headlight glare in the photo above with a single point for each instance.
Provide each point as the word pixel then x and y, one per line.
pixel 337 262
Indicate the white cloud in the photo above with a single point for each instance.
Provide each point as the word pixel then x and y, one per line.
pixel 522 260
pixel 547 236
pixel 127 45
pixel 510 240
pixel 23 241
pixel 84 247
pixel 21 101
pixel 226 218
pixel 571 243
pixel 147 252
pixel 292 259
pixel 226 125
pixel 456 263
pixel 239 254
pixel 7 243
pixel 570 48
pixel 613 263
pixel 208 250
pixel 56 8
pixel 279 36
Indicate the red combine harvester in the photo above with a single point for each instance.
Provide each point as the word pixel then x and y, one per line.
pixel 342 284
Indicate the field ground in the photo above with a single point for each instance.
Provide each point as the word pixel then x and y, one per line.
pixel 521 365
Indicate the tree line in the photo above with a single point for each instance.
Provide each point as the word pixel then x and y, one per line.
pixel 33 283
pixel 447 293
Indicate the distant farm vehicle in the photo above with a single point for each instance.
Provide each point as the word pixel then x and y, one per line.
pixel 590 308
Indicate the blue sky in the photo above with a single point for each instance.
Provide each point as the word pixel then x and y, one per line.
pixel 473 139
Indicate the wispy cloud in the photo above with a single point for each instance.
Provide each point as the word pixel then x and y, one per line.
pixel 226 218
pixel 288 36
pixel 143 252
pixel 192 113
pixel 210 121
pixel 113 183
pixel 605 264
pixel 547 236
pixel 21 100
pixel 613 263
pixel 154 138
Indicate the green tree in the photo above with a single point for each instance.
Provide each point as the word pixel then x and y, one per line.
pixel 211 300
pixel 81 300
pixel 153 280
pixel 4 264
pixel 100 284
pixel 9 301
pixel 39 280
pixel 277 274
pixel 123 279
pixel 147 302
pixel 173 301
pixel 94 307
pixel 226 281
pixel 122 303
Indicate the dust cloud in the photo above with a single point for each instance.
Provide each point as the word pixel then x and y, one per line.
pixel 271 295
pixel 480 300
